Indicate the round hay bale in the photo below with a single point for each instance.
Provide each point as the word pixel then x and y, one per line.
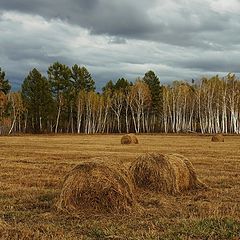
pixel 126 139
pixel 134 138
pixel 164 173
pixel 218 138
pixel 129 139
pixel 97 188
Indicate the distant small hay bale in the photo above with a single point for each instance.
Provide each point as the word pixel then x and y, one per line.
pixel 129 139
pixel 126 139
pixel 171 173
pixel 218 138
pixel 134 138
pixel 97 188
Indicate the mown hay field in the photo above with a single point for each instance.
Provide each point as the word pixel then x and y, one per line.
pixel 32 170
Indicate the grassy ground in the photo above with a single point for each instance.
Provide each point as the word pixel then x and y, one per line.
pixel 32 169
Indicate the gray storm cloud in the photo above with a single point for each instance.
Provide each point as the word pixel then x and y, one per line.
pixel 178 39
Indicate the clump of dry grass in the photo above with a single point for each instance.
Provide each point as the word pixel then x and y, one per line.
pixel 3 225
pixel 218 138
pixel 97 188
pixel 164 173
pixel 129 139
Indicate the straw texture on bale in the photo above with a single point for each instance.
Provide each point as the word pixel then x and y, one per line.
pixel 218 138
pixel 97 188
pixel 171 173
pixel 129 139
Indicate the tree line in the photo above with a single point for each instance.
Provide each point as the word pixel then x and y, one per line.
pixel 66 101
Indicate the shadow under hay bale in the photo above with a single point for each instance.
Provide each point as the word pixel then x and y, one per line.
pixel 97 188
pixel 218 138
pixel 129 139
pixel 171 173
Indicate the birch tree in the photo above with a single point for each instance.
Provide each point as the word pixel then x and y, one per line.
pixel 140 99
pixel 17 110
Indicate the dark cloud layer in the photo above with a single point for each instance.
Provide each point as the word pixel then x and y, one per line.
pixel 178 39
pixel 124 17
pixel 184 23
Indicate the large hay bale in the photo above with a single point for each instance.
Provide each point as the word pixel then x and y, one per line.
pixel 164 173
pixel 129 139
pixel 97 188
pixel 218 138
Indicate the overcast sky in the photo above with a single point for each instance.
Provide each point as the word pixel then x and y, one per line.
pixel 178 39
